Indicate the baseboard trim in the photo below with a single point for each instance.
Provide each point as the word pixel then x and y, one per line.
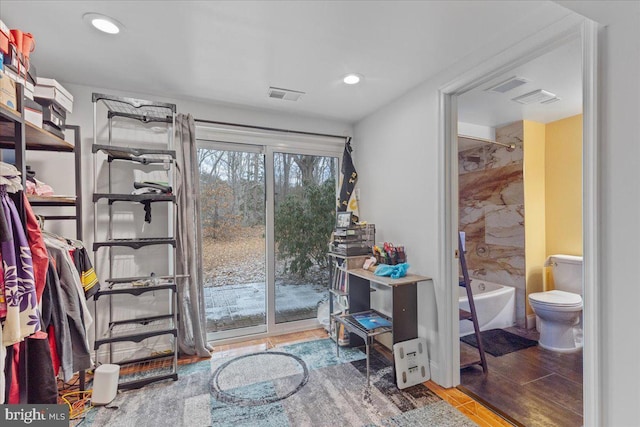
pixel 435 373
pixel 531 321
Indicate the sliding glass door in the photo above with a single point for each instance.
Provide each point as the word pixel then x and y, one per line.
pixel 304 216
pixel 267 216
pixel 232 210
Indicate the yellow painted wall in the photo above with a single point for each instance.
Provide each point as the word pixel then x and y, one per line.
pixel 552 196
pixel 534 204
pixel 563 186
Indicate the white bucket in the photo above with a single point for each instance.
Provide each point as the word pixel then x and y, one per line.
pixel 105 384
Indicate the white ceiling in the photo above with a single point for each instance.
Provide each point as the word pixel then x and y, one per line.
pixel 232 51
pixel 558 72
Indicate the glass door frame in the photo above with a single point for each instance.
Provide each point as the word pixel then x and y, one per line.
pixel 297 325
pixel 254 149
pixel 269 144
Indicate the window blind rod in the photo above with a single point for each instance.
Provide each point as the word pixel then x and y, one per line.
pixel 297 132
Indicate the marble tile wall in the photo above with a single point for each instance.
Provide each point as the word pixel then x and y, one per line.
pixel 492 212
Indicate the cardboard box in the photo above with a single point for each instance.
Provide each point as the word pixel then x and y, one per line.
pixel 51 89
pixel 14 76
pixel 8 92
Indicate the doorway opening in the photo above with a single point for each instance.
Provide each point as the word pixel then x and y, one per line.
pixel 499 220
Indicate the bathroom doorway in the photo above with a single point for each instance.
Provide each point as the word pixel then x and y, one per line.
pixel 532 386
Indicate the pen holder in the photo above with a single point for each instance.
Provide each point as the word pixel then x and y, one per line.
pixel 394 259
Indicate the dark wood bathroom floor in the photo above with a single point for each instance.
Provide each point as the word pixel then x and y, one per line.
pixel 533 387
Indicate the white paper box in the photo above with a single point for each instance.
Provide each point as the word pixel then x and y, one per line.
pixel 33 116
pixel 51 89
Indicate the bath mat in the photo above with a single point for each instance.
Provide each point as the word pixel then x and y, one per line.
pixel 498 342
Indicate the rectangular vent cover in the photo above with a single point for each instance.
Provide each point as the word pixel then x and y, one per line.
pixel 507 85
pixel 534 97
pixel 286 94
pixel 552 100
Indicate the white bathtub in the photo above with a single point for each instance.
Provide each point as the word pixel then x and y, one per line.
pixel 495 305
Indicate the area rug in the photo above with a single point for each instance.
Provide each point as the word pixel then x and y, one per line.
pixel 498 342
pixel 303 384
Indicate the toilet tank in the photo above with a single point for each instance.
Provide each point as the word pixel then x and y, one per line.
pixel 567 272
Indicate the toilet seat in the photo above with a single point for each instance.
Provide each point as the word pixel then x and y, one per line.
pixel 558 299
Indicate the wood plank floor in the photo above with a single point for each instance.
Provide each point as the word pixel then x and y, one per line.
pixel 534 387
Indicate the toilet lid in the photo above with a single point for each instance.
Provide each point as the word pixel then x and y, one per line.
pixel 557 298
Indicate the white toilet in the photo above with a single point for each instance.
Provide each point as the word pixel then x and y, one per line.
pixel 559 312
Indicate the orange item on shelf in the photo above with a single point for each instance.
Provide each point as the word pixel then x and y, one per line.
pixel 16 38
pixel 5 36
pixel 28 44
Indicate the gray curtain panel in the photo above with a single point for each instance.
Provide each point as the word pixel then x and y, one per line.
pixel 192 329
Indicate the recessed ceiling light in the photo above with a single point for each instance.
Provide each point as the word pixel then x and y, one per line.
pixel 103 23
pixel 352 79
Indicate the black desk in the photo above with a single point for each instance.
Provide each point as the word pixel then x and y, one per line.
pixel 404 306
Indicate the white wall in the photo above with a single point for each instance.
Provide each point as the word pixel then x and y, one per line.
pixel 620 205
pixel 395 153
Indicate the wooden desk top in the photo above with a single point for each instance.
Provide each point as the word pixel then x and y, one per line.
pixel 409 279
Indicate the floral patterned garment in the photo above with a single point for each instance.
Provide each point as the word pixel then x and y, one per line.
pixel 22 317
pixel 3 302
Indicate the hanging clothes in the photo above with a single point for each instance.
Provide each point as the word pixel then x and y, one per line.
pixel 42 385
pixel 55 322
pixel 39 255
pixel 43 306
pixel 88 276
pixel 22 316
pixel 28 376
pixel 72 293
pixel 10 178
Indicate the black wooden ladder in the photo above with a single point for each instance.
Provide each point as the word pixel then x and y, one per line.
pixel 470 315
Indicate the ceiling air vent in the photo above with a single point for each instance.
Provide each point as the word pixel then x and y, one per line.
pixel 287 94
pixel 552 100
pixel 507 85
pixel 534 97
